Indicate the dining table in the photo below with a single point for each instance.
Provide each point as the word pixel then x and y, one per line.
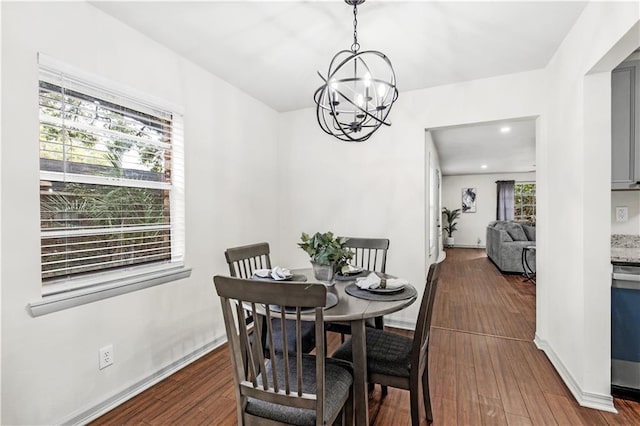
pixel 354 311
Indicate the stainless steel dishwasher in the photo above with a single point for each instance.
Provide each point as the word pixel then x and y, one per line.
pixel 625 331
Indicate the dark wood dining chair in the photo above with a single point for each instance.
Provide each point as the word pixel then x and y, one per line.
pixel 370 254
pixel 243 261
pixel 399 361
pixel 298 388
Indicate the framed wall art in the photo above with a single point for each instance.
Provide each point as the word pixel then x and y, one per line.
pixel 469 200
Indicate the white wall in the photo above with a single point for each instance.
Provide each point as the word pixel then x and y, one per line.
pixel 378 188
pixel 630 200
pixel 50 363
pixel 473 226
pixel 573 184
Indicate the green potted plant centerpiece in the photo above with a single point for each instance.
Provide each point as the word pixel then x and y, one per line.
pixel 328 253
pixel 450 216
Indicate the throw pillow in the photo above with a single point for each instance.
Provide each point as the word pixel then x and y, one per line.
pixel 516 232
pixel 505 237
pixel 530 232
pixel 501 225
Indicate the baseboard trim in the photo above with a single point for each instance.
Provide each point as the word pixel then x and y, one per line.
pixel 109 404
pixel 474 246
pixel 586 399
pixel 405 325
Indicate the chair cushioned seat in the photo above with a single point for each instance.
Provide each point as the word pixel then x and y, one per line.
pixel 387 353
pixel 337 383
pixel 308 336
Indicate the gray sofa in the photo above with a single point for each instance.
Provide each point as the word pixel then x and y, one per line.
pixel 505 241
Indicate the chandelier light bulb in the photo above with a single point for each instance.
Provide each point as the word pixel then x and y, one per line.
pixel 367 80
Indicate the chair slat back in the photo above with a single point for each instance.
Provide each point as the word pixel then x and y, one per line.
pixel 278 379
pixel 423 326
pixel 369 253
pixel 244 260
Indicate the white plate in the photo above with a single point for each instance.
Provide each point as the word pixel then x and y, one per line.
pixel 270 278
pixel 386 290
pixel 354 271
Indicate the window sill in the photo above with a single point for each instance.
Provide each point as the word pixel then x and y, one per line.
pixel 70 299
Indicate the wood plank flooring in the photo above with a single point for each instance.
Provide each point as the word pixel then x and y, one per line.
pixel 484 368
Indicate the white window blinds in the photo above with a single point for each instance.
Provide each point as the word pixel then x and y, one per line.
pixel 111 180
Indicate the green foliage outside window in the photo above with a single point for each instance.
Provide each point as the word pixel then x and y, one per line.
pixel 107 225
pixel 525 202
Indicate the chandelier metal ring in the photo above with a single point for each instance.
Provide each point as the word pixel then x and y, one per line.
pixel 358 92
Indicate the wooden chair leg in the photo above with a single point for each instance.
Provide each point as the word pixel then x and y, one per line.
pixel 379 324
pixel 426 396
pixel 325 344
pixel 348 409
pixel 415 407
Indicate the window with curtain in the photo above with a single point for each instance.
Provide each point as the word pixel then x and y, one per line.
pixel 111 182
pixel 525 202
pixel 505 208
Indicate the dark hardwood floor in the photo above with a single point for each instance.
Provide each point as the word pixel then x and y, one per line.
pixel 485 369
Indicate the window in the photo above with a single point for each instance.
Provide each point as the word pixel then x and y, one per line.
pixel 111 183
pixel 525 202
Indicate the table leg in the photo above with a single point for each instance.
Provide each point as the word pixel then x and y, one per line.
pixel 360 392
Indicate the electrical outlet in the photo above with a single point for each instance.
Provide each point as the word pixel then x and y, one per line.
pixel 622 214
pixel 106 357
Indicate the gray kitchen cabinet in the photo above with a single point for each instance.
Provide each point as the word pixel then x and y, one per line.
pixel 625 126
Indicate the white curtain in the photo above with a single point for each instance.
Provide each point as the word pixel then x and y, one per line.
pixel 505 199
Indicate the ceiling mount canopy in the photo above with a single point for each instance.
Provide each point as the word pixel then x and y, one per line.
pixel 358 92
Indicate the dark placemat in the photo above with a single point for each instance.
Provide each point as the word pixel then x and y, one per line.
pixel 407 293
pixel 340 277
pixel 294 277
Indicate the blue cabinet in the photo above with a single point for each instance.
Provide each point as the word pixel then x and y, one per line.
pixel 625 329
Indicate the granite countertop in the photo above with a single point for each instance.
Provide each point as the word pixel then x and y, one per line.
pixel 625 249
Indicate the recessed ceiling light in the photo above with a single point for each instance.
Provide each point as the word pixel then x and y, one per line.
pixel 505 129
pixel 484 166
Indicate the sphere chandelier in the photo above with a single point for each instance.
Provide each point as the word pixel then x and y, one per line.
pixel 358 91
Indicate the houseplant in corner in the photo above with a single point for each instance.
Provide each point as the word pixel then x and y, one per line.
pixel 328 253
pixel 450 227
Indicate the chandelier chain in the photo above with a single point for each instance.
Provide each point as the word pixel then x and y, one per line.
pixel 355 46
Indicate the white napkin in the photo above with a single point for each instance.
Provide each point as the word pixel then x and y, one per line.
pixel 370 281
pixel 279 273
pixel 276 273
pixel 262 273
pixel 396 282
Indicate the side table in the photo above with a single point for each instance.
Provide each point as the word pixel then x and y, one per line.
pixel 529 273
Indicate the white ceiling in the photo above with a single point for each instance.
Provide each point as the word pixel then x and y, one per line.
pixel 272 49
pixel 464 149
